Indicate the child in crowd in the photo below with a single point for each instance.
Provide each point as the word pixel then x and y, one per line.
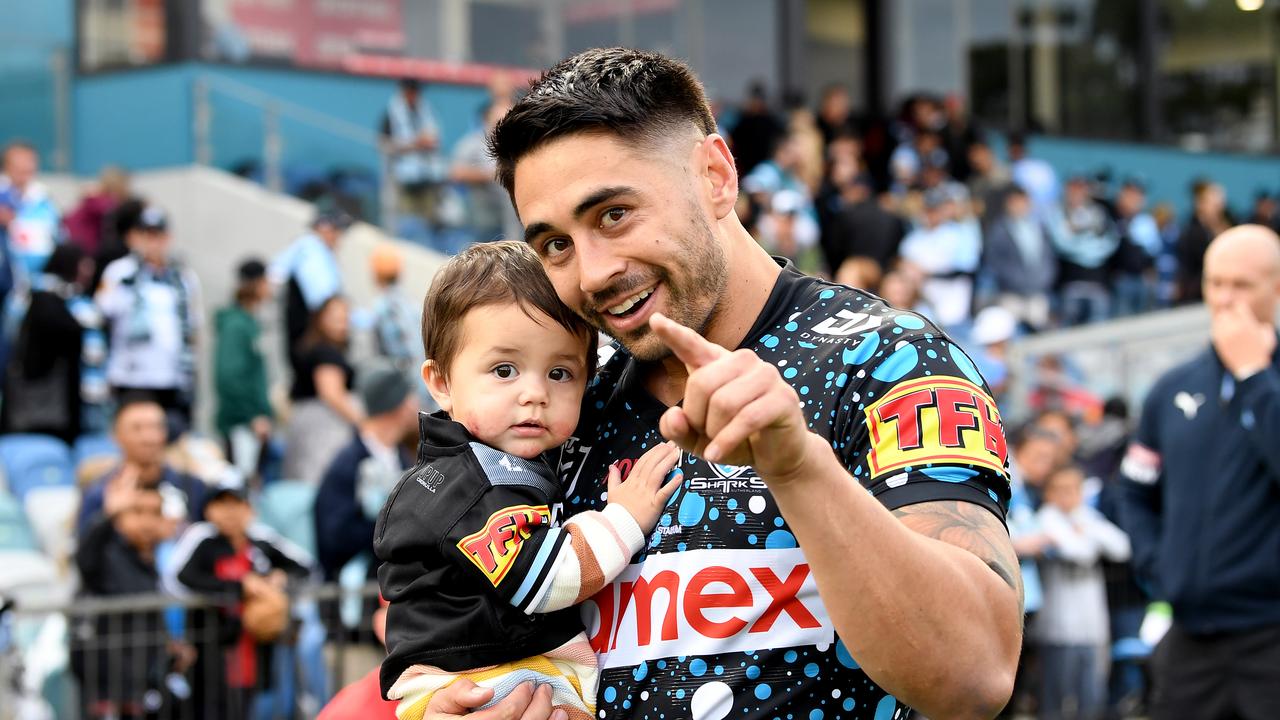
pixel 479 573
pixel 122 657
pixel 1072 625
pixel 243 567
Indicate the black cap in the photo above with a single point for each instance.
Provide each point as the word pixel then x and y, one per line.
pixel 250 270
pixel 410 83
pixel 229 487
pixel 152 217
pixel 382 388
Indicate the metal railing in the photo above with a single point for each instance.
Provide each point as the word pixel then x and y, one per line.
pixel 158 656
pixel 1118 358
pixel 273 110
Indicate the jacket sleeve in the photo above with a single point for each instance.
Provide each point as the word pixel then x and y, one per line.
pixel 91 552
pixel 1260 416
pixel 342 530
pixel 505 540
pixel 1069 544
pixel 196 571
pixel 1139 500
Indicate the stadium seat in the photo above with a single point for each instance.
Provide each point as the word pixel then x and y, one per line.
pixel 32 461
pixel 15 531
pixel 286 507
pixel 51 513
pixel 88 447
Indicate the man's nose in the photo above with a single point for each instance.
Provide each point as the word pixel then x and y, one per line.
pixel 598 265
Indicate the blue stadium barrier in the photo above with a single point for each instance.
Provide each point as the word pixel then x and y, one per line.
pixel 32 461
pixel 286 507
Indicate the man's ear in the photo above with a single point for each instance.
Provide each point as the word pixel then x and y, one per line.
pixel 437 385
pixel 721 173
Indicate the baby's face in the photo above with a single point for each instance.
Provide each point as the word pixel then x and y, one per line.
pixel 515 383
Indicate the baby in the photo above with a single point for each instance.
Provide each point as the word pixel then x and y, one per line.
pixel 480 575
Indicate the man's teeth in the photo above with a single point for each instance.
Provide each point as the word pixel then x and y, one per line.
pixel 630 302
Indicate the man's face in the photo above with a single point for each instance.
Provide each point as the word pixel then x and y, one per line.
pixel 1065 489
pixel 142 524
pixel 1017 205
pixel 1130 201
pixel 141 433
pixel 1077 193
pixel 1236 275
pixel 230 515
pixel 624 232
pixel 328 233
pixel 1036 459
pixel 21 165
pixel 150 243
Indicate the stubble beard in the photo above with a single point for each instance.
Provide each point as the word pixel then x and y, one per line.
pixel 695 287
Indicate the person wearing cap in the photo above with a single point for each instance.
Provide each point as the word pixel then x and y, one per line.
pixel 358 479
pixel 244 414
pixel 993 328
pixel 233 561
pixel 490 214
pixel 355 485
pixel 1086 242
pixel 1020 261
pixel 949 256
pixel 153 306
pixel 411 139
pixel 308 272
pixel 1133 265
pixel 396 321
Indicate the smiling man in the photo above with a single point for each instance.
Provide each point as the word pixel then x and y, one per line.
pixel 838 547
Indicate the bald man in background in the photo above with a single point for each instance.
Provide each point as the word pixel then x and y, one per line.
pixel 1201 497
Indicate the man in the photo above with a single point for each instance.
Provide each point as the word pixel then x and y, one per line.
pixel 1086 240
pixel 948 253
pixel 1209 218
pixel 1020 260
pixel 308 270
pixel 356 483
pixel 412 138
pixel 490 214
pixel 1201 496
pixel 153 306
pixel 140 432
pixel 774 542
pixel 1034 175
pixel 244 415
pixel 352 492
pixel 28 218
pixel 1140 243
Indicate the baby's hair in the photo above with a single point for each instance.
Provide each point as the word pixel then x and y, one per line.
pixel 490 274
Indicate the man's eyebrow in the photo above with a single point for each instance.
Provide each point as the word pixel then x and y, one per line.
pixel 602 195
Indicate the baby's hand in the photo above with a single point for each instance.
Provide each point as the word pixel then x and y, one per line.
pixel 644 493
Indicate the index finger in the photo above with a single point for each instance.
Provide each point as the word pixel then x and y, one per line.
pixel 692 349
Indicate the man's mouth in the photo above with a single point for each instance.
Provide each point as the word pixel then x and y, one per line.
pixel 630 305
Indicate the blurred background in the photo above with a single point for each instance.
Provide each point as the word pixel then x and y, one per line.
pixel 219 218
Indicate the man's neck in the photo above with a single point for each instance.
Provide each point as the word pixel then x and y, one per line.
pixel 752 274
pixel 149 474
pixel 383 430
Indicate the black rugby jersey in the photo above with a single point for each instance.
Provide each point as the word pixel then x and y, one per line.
pixel 719 616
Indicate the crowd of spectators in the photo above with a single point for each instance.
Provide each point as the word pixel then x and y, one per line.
pixel 103 332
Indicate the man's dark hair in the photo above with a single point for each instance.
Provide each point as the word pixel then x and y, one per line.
pixel 642 97
pixel 491 274
pixel 135 397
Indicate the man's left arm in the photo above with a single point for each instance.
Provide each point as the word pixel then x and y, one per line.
pixel 927 598
pixel 927 603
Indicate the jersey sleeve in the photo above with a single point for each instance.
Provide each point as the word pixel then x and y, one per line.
pixel 920 425
pixel 505 539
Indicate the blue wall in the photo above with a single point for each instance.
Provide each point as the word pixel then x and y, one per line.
pixel 143 118
pixel 1167 172
pixel 32 33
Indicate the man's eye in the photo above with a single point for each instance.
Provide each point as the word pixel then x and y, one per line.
pixel 506 371
pixel 612 217
pixel 555 246
pixel 560 374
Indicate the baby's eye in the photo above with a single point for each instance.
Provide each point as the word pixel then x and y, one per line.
pixel 506 371
pixel 560 374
